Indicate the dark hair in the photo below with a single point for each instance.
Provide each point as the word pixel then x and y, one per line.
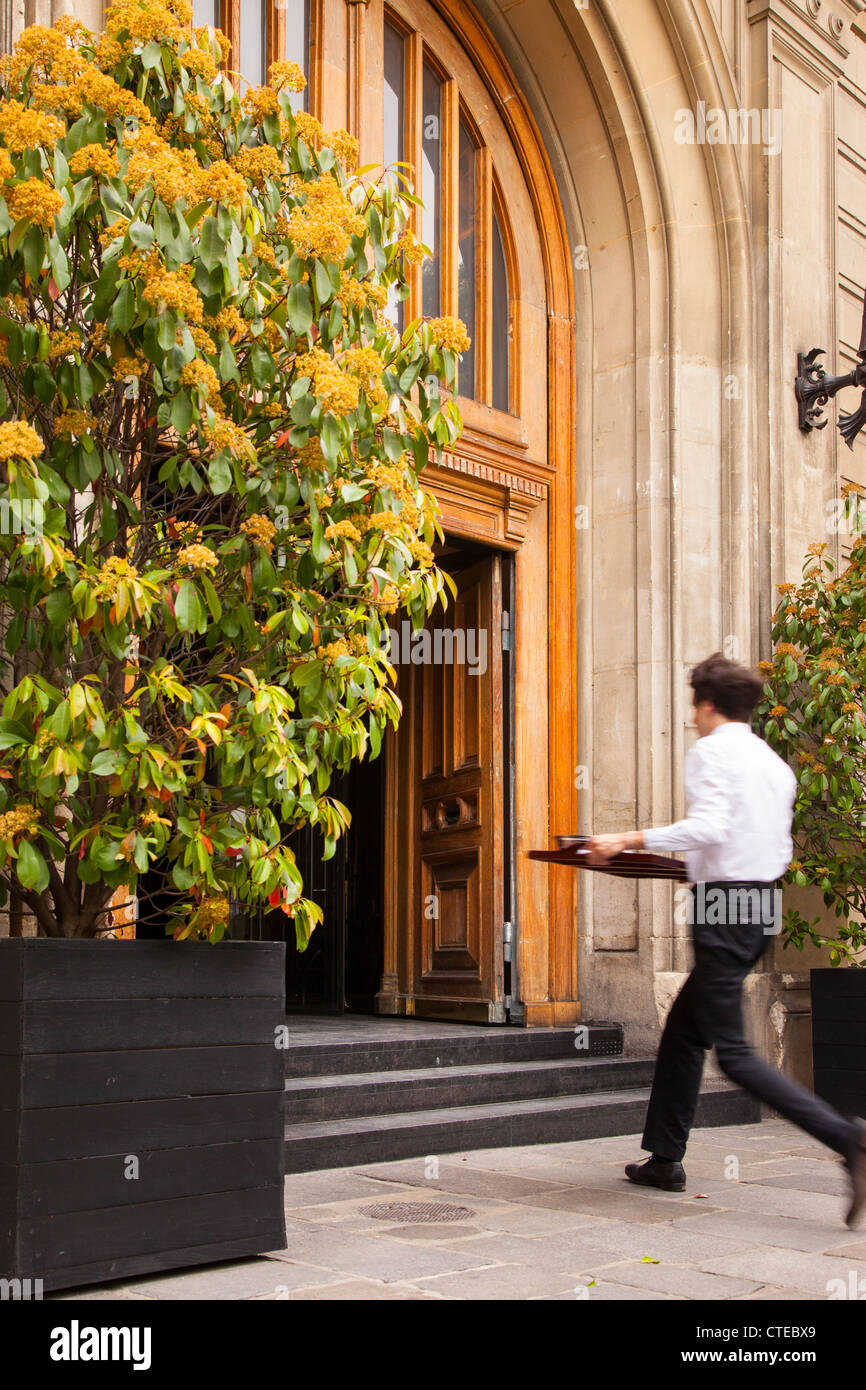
pixel 733 689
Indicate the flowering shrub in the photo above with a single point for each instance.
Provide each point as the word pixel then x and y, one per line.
pixel 204 397
pixel 812 714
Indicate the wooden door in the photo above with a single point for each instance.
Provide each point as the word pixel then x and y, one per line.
pixel 450 809
pixel 423 84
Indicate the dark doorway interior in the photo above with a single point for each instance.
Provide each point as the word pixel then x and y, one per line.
pixel 341 968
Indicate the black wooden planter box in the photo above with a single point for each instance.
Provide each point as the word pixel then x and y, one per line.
pixel 150 1057
pixel 839 1037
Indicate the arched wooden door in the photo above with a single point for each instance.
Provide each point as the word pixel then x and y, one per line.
pixel 422 81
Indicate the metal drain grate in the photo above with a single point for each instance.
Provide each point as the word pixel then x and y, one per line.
pixel 417 1211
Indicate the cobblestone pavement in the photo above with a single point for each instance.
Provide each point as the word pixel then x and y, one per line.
pixel 761 1218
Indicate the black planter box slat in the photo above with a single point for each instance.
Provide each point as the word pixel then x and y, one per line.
pixel 838 1056
pixel 86 970
pixel 159 1052
pixel 55 1240
pixel 839 982
pixel 142 1125
pixel 150 1074
pixel 847 1032
pixel 844 1090
pixel 839 1037
pixel 85 1184
pixel 80 1026
pixel 132 1265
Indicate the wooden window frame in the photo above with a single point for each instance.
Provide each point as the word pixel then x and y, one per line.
pixel 275 41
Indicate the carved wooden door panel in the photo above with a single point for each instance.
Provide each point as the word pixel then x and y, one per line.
pixel 456 913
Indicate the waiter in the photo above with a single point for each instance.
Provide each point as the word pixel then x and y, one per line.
pixel 737 836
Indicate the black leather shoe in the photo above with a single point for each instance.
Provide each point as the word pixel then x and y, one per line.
pixel 670 1177
pixel 856 1165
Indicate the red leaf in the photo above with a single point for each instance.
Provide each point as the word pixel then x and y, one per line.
pixel 281 439
pixel 53 290
pixel 276 897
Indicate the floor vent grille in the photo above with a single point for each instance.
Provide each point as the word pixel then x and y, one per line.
pixel 417 1211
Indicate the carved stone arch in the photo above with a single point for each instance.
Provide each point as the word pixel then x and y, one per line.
pixel 663 314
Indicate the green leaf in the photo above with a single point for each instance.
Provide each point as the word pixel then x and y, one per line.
pixel 166 331
pixel 59 264
pixel 271 128
pixel 330 437
pixel 182 412
pixel 300 308
pixel 211 244
pixel 106 763
pixel 212 598
pixel 220 475
pixel 228 363
pixel 141 235
pixel 12 732
pixel 33 251
pixel 263 365
pixel 30 867
pixel 322 282
pixel 123 311
pixel 187 608
pixel 162 223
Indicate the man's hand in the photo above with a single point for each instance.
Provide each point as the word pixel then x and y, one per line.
pixel 604 847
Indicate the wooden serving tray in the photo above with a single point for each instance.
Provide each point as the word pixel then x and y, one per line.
pixel 631 863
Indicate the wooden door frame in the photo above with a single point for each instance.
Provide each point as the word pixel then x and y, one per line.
pixel 488 493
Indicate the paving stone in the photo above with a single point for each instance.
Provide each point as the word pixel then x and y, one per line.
pixel 509 1282
pixel 602 1202
pixel 377 1257
pixel 770 1201
pixel 774 1295
pixel 571 1251
pixel 449 1233
pixel 677 1244
pixel 242 1279
pixel 834 1184
pixel 614 1180
pixel 784 1232
pixel 453 1178
pixel 856 1250
pixel 678 1279
pixel 360 1291
pixel 533 1220
pixel 603 1292
pixel 794 1268
pixel 306 1189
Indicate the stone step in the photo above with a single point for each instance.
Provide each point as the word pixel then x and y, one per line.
pixel 322 1098
pixel 543 1120
pixel 466 1046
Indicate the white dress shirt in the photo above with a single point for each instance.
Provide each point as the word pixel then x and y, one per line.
pixel 740 798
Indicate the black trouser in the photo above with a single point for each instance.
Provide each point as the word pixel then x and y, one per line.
pixel 708 1012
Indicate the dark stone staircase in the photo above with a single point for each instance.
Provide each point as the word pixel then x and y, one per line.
pixel 365 1090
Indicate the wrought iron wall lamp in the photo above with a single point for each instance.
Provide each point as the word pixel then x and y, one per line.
pixel 813 388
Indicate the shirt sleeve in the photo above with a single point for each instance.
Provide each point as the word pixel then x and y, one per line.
pixel 709 803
